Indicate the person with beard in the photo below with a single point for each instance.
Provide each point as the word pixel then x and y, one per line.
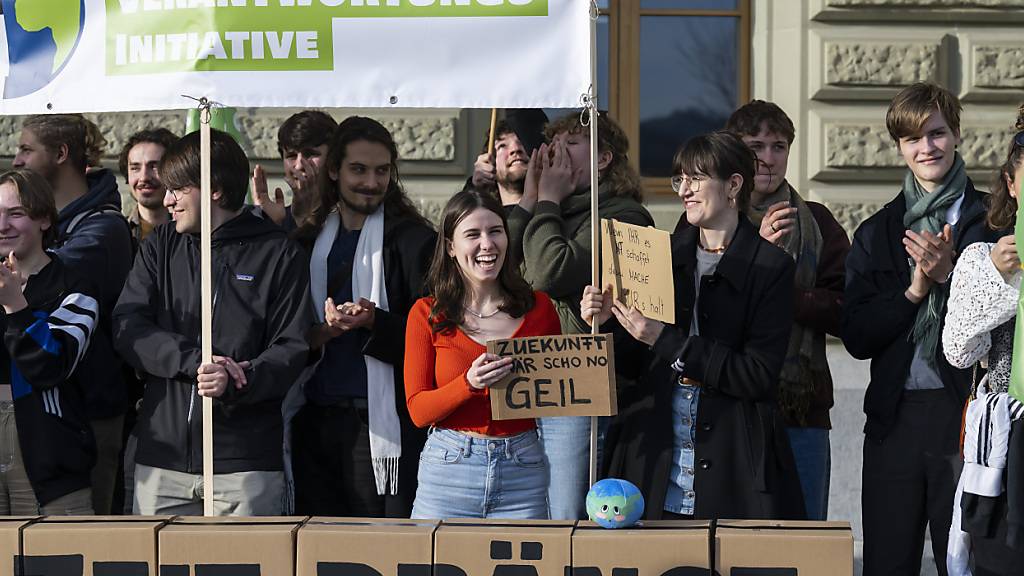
pixel 897 284
pixel 138 162
pixel 302 143
pixel 550 229
pixel 93 240
pixel 503 171
pixel 354 447
pixel 261 317
pixel 810 234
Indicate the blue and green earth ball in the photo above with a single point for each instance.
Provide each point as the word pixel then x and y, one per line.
pixel 615 503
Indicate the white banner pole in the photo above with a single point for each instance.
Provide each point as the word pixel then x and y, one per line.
pixel 206 295
pixel 595 218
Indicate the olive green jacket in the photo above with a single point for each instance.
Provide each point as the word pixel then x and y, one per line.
pixel 553 245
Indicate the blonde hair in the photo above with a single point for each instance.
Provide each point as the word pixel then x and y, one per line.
pixel 910 109
pixel 83 139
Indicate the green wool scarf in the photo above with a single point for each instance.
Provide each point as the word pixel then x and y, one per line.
pixel 927 212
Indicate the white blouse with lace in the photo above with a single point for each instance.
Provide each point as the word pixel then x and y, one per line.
pixel 980 316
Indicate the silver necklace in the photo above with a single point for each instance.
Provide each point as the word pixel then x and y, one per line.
pixel 482 316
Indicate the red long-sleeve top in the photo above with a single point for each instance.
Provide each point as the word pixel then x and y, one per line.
pixel 436 389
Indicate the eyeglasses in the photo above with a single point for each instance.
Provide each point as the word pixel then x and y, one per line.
pixel 178 193
pixel 690 184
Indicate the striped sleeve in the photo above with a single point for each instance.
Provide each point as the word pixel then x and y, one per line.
pixel 46 349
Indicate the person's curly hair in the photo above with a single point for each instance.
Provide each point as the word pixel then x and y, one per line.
pixel 1002 207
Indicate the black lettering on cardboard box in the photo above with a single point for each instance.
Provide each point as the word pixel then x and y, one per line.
pixel 741 571
pixel 56 565
pixel 120 569
pixel 227 570
pixel 174 570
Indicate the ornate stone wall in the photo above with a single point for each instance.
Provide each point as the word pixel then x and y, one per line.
pixel 856 55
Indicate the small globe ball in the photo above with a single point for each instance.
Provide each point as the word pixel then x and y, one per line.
pixel 615 503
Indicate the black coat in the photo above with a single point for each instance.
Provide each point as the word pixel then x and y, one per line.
pixel 744 468
pixel 877 318
pixel 262 312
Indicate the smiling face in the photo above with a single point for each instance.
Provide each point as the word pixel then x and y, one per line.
pixel 772 150
pixel 930 154
pixel 18 231
pixel 707 200
pixel 510 160
pixel 363 176
pixel 143 180
pixel 478 245
pixel 184 206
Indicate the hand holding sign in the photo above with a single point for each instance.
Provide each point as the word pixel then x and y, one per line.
pixel 487 370
pixel 596 303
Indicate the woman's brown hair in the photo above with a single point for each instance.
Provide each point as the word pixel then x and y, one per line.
pixel 1002 207
pixel 36 198
pixel 445 282
pixel 619 175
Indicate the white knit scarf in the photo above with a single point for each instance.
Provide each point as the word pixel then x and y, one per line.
pixel 367 282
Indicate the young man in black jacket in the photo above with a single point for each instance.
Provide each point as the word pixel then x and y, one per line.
pixel 261 314
pixel 897 277
pixel 48 319
pixel 93 239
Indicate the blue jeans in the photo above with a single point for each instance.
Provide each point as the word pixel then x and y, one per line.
pixel 465 477
pixel 566 442
pixel 812 452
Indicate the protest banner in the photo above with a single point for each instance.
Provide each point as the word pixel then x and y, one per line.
pixel 637 263
pixel 406 53
pixel 571 375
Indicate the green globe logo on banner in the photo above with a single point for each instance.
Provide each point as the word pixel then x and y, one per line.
pixel 41 37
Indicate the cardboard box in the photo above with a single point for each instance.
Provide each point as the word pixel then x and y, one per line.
pixel 777 548
pixel 90 546
pixel 229 546
pixel 365 547
pixel 651 549
pixel 503 548
pixel 10 541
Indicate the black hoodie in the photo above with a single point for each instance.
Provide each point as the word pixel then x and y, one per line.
pixel 94 240
pixel 262 311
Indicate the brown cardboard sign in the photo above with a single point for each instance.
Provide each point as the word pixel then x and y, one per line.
pixel 92 545
pixel 637 262
pixel 503 548
pixel 784 547
pixel 365 547
pixel 652 548
pixel 570 375
pixel 229 546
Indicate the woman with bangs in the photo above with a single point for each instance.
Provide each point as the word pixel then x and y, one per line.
pixel 699 433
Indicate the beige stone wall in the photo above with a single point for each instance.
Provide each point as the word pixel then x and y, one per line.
pixel 435 145
pixel 833 65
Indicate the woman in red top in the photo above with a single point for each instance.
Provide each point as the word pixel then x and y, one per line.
pixel 471 466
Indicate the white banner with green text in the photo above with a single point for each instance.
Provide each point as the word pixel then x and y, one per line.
pixel 119 55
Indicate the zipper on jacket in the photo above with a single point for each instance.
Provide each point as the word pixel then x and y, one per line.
pixel 192 396
pixel 188 426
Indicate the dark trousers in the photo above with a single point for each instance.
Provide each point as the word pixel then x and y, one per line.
pixel 909 480
pixel 332 465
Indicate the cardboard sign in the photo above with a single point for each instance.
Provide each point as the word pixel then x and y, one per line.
pixel 234 546
pixel 784 547
pixel 92 545
pixel 503 548
pixel 571 375
pixel 365 547
pixel 654 548
pixel 637 262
